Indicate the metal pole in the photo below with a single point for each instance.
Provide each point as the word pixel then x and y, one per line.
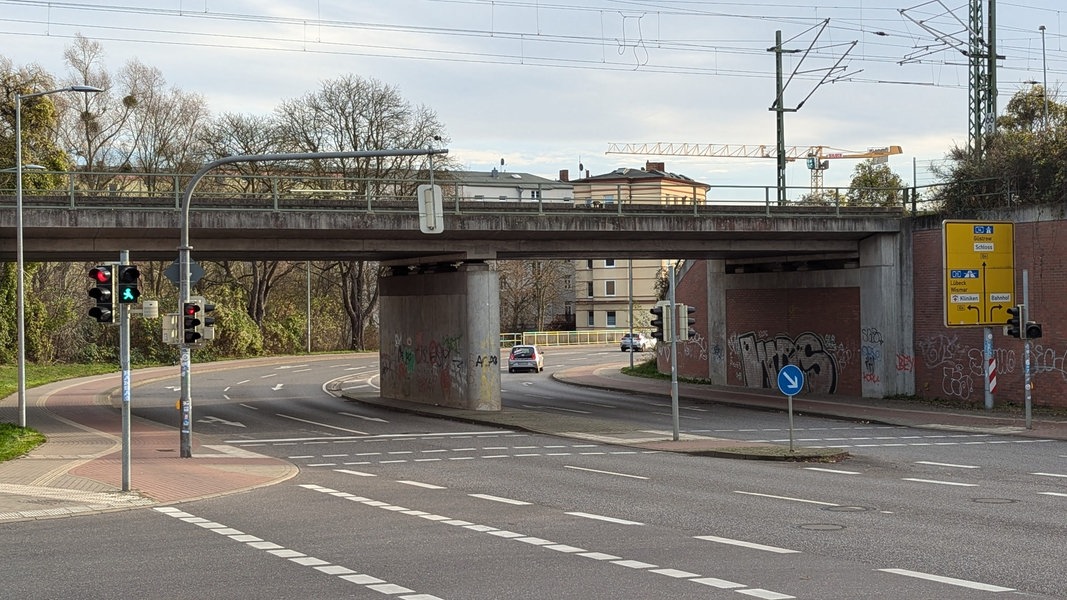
pixel 1044 75
pixel 630 268
pixel 673 328
pixel 184 259
pixel 307 267
pixel 20 263
pixel 1026 348
pixel 124 365
pixel 20 308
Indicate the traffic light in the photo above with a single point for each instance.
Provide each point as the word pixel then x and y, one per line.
pixel 103 292
pixel 1032 330
pixel 129 277
pixel 190 322
pixel 662 323
pixel 686 321
pixel 1013 326
pixel 206 328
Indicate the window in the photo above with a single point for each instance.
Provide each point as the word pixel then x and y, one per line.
pixel 609 198
pixel 589 264
pixel 589 319
pixel 609 263
pixel 535 194
pixel 611 318
pixel 589 289
pixel 609 288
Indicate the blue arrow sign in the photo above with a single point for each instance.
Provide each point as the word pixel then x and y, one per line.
pixel 790 380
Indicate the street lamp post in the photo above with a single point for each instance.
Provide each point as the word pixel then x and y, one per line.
pixel 20 294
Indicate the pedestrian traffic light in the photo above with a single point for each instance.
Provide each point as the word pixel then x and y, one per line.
pixel 1014 324
pixel 103 292
pixel 686 321
pixel 190 322
pixel 661 328
pixel 128 280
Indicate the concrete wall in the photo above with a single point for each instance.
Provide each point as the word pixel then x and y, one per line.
pixel 440 338
pixel 848 329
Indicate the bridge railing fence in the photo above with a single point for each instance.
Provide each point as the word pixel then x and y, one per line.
pixel 308 192
pixel 563 338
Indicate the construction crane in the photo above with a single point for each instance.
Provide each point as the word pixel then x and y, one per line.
pixel 817 157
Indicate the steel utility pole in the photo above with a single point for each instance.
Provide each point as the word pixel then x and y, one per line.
pixel 185 261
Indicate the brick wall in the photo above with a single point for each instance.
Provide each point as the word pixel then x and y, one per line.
pixel 949 362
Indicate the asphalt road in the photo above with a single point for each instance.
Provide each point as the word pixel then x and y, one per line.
pixel 419 508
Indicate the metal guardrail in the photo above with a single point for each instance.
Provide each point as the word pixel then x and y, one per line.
pixel 234 192
pixel 563 338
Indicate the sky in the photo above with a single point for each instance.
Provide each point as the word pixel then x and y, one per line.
pixel 538 86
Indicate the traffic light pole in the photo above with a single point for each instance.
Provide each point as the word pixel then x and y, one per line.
pixel 184 249
pixel 1026 348
pixel 672 324
pixel 124 366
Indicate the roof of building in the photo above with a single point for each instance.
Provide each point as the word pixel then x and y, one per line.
pixel 649 173
pixel 504 178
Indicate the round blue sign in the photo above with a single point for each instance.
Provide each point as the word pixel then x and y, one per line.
pixel 790 380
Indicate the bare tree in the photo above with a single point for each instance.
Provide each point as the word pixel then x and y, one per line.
pixel 352 113
pixel 530 291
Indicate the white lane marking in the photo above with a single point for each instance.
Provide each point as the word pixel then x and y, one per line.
pixel 248 406
pixel 499 499
pixel 786 498
pixel 938 482
pixel 744 544
pixel 1049 474
pixel 428 486
pixel 603 518
pixel 838 471
pixel 377 438
pixel 294 556
pixel 356 473
pixel 320 424
pixel 974 585
pixel 268 375
pixel 365 418
pixel 541 407
pixel 604 472
pixel 940 464
pixel 1053 494
pixel 764 594
pixel 243 381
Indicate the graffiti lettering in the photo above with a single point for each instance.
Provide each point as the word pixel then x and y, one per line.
pixel 905 362
pixel 762 358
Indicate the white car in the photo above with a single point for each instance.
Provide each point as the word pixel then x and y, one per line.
pixel 637 342
pixel 526 358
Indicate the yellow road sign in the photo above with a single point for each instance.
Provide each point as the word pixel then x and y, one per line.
pixel 979 272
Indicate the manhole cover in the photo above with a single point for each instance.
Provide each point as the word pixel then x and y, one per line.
pixel 847 508
pixel 995 500
pixel 822 527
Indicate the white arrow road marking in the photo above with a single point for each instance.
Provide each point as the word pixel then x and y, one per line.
pixel 277 387
pixel 219 421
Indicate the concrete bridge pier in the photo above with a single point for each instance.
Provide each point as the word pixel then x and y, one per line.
pixel 440 335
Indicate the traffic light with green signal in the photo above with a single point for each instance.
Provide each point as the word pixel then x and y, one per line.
pixel 127 282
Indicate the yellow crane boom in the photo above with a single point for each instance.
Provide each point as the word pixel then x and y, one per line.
pixel 817 157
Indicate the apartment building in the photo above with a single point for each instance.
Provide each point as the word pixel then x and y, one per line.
pixel 615 293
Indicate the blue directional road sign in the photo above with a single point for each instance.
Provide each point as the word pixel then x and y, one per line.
pixel 790 380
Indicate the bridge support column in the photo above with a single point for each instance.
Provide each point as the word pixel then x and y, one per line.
pixel 440 336
pixel 886 315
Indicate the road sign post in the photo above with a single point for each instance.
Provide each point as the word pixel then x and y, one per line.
pixel 790 382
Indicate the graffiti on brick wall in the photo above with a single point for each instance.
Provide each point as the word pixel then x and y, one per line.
pixel 759 357
pixel 696 347
pixel 426 366
pixel 960 366
pixel 1047 359
pixel 871 351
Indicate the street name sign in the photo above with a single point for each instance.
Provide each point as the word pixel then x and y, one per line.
pixel 979 262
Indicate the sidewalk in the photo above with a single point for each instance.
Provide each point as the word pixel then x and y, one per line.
pixel 79 469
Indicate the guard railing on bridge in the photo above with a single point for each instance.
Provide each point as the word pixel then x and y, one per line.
pixel 305 192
